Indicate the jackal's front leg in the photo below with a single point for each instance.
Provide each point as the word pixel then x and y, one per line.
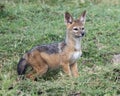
pixel 74 70
pixel 66 68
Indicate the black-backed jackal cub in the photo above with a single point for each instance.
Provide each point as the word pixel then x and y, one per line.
pixel 64 54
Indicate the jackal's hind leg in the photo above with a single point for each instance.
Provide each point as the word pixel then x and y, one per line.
pixel 31 75
pixel 37 71
pixel 37 63
pixel 42 69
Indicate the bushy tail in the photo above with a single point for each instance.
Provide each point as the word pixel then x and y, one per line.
pixel 22 65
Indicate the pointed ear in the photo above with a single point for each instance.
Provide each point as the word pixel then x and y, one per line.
pixel 68 18
pixel 83 17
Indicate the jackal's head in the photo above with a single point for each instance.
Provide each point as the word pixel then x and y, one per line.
pixel 75 28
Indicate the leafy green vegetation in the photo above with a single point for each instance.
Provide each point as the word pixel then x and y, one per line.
pixel 27 23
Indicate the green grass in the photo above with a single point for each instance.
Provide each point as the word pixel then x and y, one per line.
pixel 27 23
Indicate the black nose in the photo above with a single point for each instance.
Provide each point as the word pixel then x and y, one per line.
pixel 83 33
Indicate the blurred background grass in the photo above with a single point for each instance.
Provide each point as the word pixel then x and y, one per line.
pixel 27 23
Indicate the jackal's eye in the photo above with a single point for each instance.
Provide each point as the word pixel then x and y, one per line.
pixel 82 28
pixel 76 29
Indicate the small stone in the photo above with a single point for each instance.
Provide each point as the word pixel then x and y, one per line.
pixel 116 59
